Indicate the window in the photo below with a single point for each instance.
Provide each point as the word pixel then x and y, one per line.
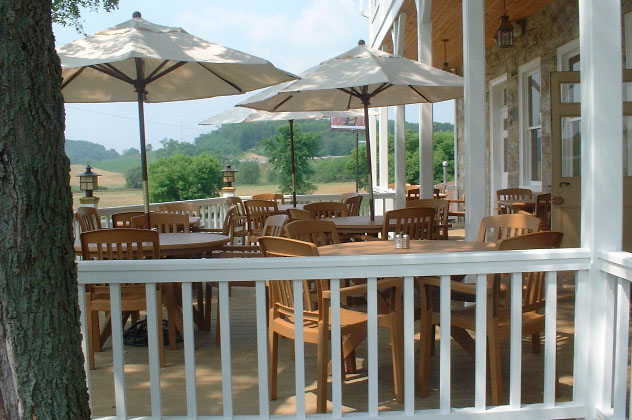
pixel 530 125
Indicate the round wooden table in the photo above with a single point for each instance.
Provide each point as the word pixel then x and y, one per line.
pixel 181 244
pixel 357 224
pixel 388 247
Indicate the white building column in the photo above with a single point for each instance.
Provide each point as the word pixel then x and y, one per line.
pixel 474 113
pixel 602 176
pixel 399 34
pixel 383 147
pixel 424 53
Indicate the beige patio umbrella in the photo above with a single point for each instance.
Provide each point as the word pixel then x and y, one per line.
pixel 238 115
pixel 140 61
pixel 362 77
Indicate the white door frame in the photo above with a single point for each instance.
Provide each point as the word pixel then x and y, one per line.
pixel 495 139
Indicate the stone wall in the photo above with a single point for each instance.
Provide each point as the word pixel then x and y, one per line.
pixel 552 27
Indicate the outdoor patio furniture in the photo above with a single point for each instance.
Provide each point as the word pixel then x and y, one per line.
pixel 326 209
pixel 118 244
pixel 124 219
pixel 257 212
pixel 503 226
pixel 412 192
pixel 318 232
pixel 507 194
pixel 274 225
pixel 353 202
pixel 279 198
pixel 417 223
pixel 441 207
pixel 298 214
pixel 88 218
pixel 163 222
pixel 463 319
pixel 542 210
pixel 316 325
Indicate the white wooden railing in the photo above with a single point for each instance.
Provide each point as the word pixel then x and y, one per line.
pixel 617 267
pixel 260 270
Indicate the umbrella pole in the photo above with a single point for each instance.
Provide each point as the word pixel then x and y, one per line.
pixel 143 154
pixel 293 164
pixel 368 158
pixel 357 161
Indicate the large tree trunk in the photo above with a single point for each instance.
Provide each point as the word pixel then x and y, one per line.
pixel 41 364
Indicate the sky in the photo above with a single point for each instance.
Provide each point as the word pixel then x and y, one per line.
pixel 293 35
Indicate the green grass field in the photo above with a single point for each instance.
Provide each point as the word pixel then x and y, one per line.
pixel 124 163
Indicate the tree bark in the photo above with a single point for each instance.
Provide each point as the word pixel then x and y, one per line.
pixel 41 363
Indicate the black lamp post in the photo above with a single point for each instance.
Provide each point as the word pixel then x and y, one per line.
pixel 88 181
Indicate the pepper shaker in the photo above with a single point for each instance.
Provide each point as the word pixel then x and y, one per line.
pixel 398 241
pixel 405 241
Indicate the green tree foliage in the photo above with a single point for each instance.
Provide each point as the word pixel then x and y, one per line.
pixel 249 173
pixel 350 166
pixel 332 170
pixel 84 152
pixel 305 146
pixel 182 177
pixel 132 151
pixel 134 178
pixel 68 12
pixel 172 147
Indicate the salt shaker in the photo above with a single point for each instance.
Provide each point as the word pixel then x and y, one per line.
pixel 405 241
pixel 398 241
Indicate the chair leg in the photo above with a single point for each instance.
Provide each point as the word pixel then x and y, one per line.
pixel 90 339
pixel 169 300
pixel 426 345
pixel 397 349
pixel 161 341
pixel 322 359
pixel 535 343
pixel 273 357
pixel 218 336
pixel 495 366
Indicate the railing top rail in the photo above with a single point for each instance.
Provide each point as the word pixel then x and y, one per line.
pixel 617 263
pixel 428 264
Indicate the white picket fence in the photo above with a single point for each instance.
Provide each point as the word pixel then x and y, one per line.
pixel 260 270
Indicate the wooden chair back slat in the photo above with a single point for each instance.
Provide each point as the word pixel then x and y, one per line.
pixel 298 214
pixel 512 194
pixel 353 202
pixel 125 219
pixel 442 210
pixel 318 232
pixel 417 223
pixel 257 212
pixel 274 225
pixel 504 226
pixel 279 198
pixel 164 222
pixel 188 209
pixel 327 209
pixel 88 218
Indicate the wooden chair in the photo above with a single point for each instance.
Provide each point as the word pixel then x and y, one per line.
pixel 503 226
pixel 318 232
pixel 542 210
pixel 512 194
pixel 88 218
pixel 279 198
pixel 412 192
pixel 353 202
pixel 118 244
pixel 125 219
pixel 417 223
pixel 463 319
pixel 298 214
pixel 186 208
pixel 442 209
pixel 257 212
pixel 164 222
pixel 316 325
pixel 327 209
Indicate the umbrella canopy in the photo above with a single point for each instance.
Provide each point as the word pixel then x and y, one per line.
pixel 238 115
pixel 144 62
pixel 362 77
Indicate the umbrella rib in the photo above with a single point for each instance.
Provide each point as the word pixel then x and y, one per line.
pixel 152 78
pixel 419 93
pixel 381 89
pixel 282 102
pixel 112 71
pixel 157 69
pixel 223 79
pixel 73 77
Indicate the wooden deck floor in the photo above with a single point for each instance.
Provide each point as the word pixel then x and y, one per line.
pixel 245 378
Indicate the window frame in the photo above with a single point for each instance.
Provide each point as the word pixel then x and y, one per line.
pixel 524 72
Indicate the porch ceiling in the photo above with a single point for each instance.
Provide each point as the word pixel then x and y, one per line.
pixel 447 23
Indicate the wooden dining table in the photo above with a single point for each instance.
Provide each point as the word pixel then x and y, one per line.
pixel 515 206
pixel 285 207
pixel 357 224
pixel 416 247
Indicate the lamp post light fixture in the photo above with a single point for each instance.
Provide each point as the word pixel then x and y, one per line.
pixel 505 32
pixel 228 176
pixel 88 181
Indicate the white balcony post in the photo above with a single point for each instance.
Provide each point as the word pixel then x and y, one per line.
pixel 371 124
pixel 602 169
pixel 399 34
pixel 424 54
pixel 474 113
pixel 384 147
